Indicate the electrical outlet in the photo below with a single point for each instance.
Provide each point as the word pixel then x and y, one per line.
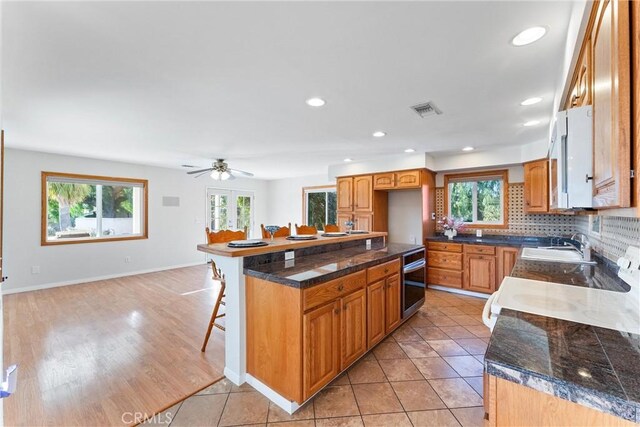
pixel 412 239
pixel 368 244
pixel 289 255
pixel 433 216
pixel 127 259
pixel 35 269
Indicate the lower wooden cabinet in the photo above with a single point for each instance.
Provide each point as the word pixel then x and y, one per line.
pixel 375 312
pixel 479 273
pixel 392 297
pixel 353 321
pixel 506 258
pixel 321 332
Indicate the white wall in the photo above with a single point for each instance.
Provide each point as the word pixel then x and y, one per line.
pixel 174 232
pixel 285 198
pixel 405 216
pixel 516 173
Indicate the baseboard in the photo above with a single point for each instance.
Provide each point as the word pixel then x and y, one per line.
pixel 459 291
pixel 6 291
pixel 289 406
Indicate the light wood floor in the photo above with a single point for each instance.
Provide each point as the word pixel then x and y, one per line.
pixel 89 353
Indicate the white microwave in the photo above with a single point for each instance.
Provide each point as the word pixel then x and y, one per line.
pixel 571 160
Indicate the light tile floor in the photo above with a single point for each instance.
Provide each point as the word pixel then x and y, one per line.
pixel 427 373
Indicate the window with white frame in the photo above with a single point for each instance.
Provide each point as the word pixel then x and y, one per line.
pixel 478 199
pixel 86 208
pixel 320 206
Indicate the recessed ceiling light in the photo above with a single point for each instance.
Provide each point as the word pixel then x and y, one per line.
pixel 379 134
pixel 531 123
pixel 348 160
pixel 529 36
pixel 409 150
pixel 315 102
pixel 468 149
pixel 531 101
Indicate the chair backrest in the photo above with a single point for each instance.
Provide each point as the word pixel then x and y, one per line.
pixel 306 229
pixel 331 228
pixel 224 236
pixel 282 232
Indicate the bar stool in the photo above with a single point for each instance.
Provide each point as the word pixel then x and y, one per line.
pixel 221 236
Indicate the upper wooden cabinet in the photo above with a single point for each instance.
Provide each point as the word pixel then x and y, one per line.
pixel 611 105
pixel 582 85
pixel 363 193
pixel 344 188
pixel 536 186
pixel 397 180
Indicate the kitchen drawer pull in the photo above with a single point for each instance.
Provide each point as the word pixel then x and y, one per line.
pixel 340 287
pixel 386 270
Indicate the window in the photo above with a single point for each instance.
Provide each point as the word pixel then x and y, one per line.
pixel 479 198
pixel 85 208
pixel 320 206
pixel 230 210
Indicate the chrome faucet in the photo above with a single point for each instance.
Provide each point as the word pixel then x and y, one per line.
pixel 584 245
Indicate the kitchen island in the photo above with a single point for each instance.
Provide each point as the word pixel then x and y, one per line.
pixel 300 312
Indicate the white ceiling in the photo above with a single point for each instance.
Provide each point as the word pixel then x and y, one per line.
pixel 168 83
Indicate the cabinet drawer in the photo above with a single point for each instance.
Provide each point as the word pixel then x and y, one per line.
pixel 383 270
pixel 436 276
pixel 329 291
pixel 480 249
pixel 408 179
pixel 445 247
pixel 449 260
pixel 384 181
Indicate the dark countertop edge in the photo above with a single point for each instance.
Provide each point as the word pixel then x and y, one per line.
pixel 329 276
pixel 580 395
pixel 489 239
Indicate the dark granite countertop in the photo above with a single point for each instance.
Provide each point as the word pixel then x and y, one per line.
pixel 495 240
pixel 310 270
pixel 592 366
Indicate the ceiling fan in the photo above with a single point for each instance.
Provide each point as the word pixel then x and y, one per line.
pixel 220 170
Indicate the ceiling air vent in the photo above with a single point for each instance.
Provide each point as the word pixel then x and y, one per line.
pixel 426 109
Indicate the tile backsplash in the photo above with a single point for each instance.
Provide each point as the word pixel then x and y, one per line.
pixel 616 233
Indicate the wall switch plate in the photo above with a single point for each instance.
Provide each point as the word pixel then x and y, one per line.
pixel 127 259
pixel 368 244
pixel 433 216
pixel 289 263
pixel 289 255
pixel 35 269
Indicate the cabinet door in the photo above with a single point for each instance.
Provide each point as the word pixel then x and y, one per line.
pixel 344 188
pixel 363 193
pixel 583 81
pixel 480 273
pixel 321 352
pixel 363 221
pixel 392 302
pixel 375 313
pixel 384 181
pixel 611 104
pixel 354 327
pixel 536 186
pixel 507 258
pixel 342 218
pixel 408 179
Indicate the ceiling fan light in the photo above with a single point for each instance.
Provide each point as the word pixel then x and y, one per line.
pixel 224 176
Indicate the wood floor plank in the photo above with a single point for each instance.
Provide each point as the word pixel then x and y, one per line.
pixel 88 353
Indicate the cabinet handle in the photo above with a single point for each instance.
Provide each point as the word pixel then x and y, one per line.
pixel 336 311
pixel 340 287
pixel 587 178
pixel 386 270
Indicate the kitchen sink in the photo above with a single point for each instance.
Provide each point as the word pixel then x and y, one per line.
pixel 554 255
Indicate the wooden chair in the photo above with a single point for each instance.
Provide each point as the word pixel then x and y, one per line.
pixel 282 232
pixel 221 236
pixel 331 228
pixel 306 229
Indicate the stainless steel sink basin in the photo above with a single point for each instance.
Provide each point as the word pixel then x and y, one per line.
pixel 554 255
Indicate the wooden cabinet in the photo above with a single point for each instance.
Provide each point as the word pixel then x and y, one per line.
pixel 353 323
pixel 344 190
pixel 479 273
pixel 363 221
pixel 536 186
pixel 383 301
pixel 363 193
pixel 343 218
pixel 582 85
pixel 375 312
pixel 321 332
pixel 397 180
pixel 506 259
pixel 393 303
pixel 611 105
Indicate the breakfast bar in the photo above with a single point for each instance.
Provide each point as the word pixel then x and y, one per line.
pixel 298 313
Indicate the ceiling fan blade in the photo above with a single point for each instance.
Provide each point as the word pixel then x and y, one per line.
pixel 199 171
pixel 203 173
pixel 239 172
pixel 231 177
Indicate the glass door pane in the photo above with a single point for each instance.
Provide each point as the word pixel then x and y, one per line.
pixel 218 210
pixel 244 212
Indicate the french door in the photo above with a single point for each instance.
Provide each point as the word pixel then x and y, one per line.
pixel 230 210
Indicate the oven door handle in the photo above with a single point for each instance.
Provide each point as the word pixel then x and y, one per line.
pixel 414 266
